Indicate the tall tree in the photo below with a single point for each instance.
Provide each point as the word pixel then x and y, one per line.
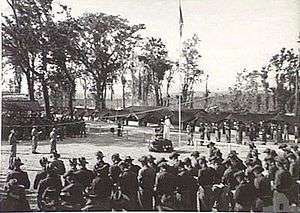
pixel 284 65
pixel 104 40
pixel 155 58
pixel 190 69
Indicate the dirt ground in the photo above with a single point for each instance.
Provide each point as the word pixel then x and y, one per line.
pixel 133 143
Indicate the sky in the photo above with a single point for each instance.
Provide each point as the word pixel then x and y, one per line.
pixel 235 34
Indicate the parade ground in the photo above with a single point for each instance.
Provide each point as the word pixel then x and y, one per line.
pixel 134 143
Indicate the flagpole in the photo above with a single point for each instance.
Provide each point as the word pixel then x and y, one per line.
pixel 180 80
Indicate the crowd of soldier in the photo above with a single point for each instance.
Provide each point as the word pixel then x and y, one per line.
pixel 195 183
pixel 262 131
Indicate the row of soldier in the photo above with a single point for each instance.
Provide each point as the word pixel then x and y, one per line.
pixel 193 183
pixel 275 132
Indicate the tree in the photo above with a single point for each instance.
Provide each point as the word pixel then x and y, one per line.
pixel 190 69
pixel 27 44
pixel 155 58
pixel 103 41
pixel 283 65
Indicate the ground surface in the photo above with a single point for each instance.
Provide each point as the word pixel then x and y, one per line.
pixel 133 143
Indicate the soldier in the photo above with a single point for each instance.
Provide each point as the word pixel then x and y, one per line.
pixel 146 180
pixel 115 170
pixel 41 175
pixel 59 164
pixel 190 132
pixel 252 133
pixel 294 167
pixel 15 198
pixel 132 167
pixel 236 162
pixel 12 140
pixel 73 165
pixel 84 175
pixel 174 157
pixel 165 185
pixel 228 178
pixel 53 184
pixel 219 168
pixel 187 188
pixel 72 194
pixel 100 162
pixel 34 139
pixel 264 192
pixel 244 195
pixel 286 133
pixel 195 155
pixel 189 168
pixel 102 188
pixel 212 149
pixel 18 174
pixel 239 135
pixel 206 178
pixel 129 185
pixel 151 162
pixel 283 179
pixel 53 140
pixel 202 134
pixel 228 132
pixel 208 131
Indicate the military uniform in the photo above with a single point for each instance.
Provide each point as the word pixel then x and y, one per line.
pixel 129 187
pixel 14 200
pixel 114 172
pixel 53 141
pixel 85 176
pixel 264 192
pixel 146 180
pixel 206 179
pixel 52 181
pixel 20 176
pixel 187 187
pixel 283 182
pixel 59 164
pixel 72 196
pixel 34 139
pixel 165 185
pixel 13 149
pixel 39 176
pixel 244 197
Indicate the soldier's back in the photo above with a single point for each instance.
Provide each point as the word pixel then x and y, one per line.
pixel 85 177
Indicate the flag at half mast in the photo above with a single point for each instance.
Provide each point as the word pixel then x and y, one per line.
pixel 180 19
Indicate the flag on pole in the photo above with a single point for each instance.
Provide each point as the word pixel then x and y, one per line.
pixel 180 19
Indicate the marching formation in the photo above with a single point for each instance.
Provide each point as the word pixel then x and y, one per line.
pixel 195 183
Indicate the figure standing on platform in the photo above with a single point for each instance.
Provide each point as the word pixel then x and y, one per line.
pixel 167 126
pixel 119 129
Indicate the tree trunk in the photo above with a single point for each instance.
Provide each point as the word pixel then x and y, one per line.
pixel 103 97
pixel 46 97
pixel 30 85
pixel 123 96
pixel 157 95
pixel 71 96
pixel 97 96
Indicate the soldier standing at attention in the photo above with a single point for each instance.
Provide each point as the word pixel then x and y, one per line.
pixel 34 139
pixel 53 140
pixel 13 142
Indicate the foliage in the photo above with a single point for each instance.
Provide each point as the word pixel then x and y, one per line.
pixel 190 69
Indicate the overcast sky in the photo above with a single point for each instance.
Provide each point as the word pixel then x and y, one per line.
pixel 235 34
